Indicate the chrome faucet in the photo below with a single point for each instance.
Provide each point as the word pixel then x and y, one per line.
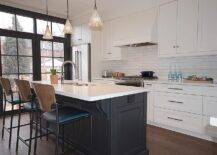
pixel 62 68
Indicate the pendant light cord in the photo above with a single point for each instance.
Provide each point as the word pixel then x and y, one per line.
pixel 67 9
pixel 95 6
pixel 46 7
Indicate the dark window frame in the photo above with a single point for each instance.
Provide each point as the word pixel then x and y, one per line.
pixel 36 38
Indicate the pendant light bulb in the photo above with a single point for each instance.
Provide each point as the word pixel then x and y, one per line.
pixel 47 34
pixel 68 26
pixel 95 22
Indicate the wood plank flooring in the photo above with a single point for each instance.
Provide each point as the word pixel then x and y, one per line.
pixel 160 142
pixel 165 142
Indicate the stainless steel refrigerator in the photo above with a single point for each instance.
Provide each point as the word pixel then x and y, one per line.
pixel 81 56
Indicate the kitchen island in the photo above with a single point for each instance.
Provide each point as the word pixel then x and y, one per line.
pixel 118 118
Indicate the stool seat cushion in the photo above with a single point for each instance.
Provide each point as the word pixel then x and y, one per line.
pixel 66 114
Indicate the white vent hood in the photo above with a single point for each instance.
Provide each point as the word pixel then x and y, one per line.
pixel 140 30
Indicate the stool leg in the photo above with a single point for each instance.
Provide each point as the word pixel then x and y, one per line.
pixel 30 136
pixel 57 139
pixel 47 125
pixel 11 125
pixel 63 138
pixel 18 127
pixel 40 126
pixel 4 115
pixel 36 132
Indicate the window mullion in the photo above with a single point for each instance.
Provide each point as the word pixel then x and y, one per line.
pixel 18 67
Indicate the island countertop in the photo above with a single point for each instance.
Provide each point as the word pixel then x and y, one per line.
pixel 93 91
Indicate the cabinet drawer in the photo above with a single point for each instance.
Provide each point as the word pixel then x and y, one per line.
pixel 179 102
pixel 181 89
pixel 210 91
pixel 210 106
pixel 186 121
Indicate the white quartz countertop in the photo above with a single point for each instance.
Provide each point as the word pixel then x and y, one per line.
pixel 163 81
pixel 93 91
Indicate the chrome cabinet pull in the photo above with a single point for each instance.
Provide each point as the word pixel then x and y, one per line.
pixel 175 119
pixel 175 88
pixel 171 101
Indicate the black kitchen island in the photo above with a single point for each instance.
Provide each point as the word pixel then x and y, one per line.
pixel 118 118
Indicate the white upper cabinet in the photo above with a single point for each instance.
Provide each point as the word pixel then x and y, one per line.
pixel 108 51
pixel 167 28
pixel 187 30
pixel 178 27
pixel 81 35
pixel 207 25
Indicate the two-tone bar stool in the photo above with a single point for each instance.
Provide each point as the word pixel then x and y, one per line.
pixel 55 113
pixel 28 98
pixel 8 97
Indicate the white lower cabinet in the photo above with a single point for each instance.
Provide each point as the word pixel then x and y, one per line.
pixel 182 120
pixel 210 106
pixel 183 108
pixel 179 102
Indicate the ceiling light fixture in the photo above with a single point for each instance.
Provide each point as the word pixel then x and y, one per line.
pixel 95 22
pixel 68 27
pixel 47 34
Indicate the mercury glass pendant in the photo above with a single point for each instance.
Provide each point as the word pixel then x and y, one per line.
pixel 47 34
pixel 68 27
pixel 95 22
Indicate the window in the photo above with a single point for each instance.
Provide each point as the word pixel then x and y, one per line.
pixel 16 57
pixel 52 57
pixel 24 24
pixel 41 25
pixel 57 29
pixel 7 21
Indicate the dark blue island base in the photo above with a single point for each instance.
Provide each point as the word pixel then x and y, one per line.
pixel 118 125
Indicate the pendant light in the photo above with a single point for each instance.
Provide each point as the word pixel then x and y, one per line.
pixel 68 27
pixel 95 22
pixel 47 35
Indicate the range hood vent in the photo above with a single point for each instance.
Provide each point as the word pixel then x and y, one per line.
pixel 143 30
pixel 140 44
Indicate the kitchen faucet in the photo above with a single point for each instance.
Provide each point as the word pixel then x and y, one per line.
pixel 62 68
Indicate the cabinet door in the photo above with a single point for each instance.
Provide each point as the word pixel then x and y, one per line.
pixel 106 40
pixel 109 52
pixel 187 26
pixel 167 28
pixel 77 36
pixel 207 25
pixel 85 33
pixel 150 106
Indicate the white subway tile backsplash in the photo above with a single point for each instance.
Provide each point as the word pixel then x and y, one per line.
pixel 146 58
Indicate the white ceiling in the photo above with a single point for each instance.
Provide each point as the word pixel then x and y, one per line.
pixel 108 8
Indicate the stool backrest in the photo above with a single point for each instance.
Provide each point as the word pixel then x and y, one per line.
pixel 24 90
pixel 46 96
pixel 6 86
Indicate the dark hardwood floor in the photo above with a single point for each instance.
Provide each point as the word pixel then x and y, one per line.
pixel 160 142
pixel 165 142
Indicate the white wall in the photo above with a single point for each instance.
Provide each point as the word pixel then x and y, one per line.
pixel 145 58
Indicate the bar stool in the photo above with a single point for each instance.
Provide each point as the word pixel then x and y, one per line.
pixel 55 113
pixel 30 106
pixel 8 96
